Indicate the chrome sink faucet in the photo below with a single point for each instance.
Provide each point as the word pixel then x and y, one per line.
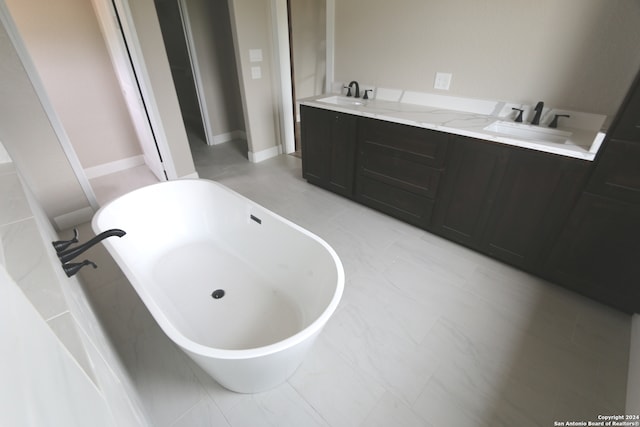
pixel 538 110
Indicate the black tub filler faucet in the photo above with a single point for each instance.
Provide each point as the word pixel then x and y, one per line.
pixel 66 254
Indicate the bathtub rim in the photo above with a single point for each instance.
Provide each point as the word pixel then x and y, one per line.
pixel 231 354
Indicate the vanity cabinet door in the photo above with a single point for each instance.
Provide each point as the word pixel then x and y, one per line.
pixel 598 252
pixel 617 174
pixel 534 197
pixel 328 149
pixel 473 172
pixel 617 165
pixel 507 202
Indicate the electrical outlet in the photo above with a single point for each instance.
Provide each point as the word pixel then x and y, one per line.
pixel 442 81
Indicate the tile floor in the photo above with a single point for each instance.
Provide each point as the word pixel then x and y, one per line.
pixel 428 333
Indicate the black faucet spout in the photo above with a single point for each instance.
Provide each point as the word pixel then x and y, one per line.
pixel 69 254
pixel 357 91
pixel 538 110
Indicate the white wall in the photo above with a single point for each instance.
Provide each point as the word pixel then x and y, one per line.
pixel 308 27
pixel 252 29
pixel 66 45
pixel 30 139
pixel 574 54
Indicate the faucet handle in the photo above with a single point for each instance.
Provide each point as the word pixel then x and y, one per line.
pixel 518 118
pixel 348 90
pixel 554 122
pixel 366 93
pixel 61 245
pixel 72 268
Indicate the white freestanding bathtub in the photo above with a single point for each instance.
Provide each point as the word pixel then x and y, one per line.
pixel 243 291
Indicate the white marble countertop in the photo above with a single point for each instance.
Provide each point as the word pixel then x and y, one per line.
pixel 583 142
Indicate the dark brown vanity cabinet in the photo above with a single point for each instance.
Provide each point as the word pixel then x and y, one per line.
pixel 506 201
pixel 617 174
pixel 474 170
pixel 398 169
pixel 617 166
pixel 533 199
pixel 626 124
pixel 328 149
pixel 574 222
pixel 598 253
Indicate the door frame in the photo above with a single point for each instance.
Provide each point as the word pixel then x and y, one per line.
pixel 280 22
pixel 282 50
pixel 110 23
pixel 121 7
pixel 283 53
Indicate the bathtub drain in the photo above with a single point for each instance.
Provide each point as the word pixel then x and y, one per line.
pixel 218 293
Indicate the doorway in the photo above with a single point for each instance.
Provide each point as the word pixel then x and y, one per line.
pixel 170 17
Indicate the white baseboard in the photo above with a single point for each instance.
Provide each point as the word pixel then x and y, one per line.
pixel 633 376
pixel 112 167
pixel 229 136
pixel 72 219
pixel 259 156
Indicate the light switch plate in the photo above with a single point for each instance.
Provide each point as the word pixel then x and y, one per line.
pixel 442 81
pixel 256 73
pixel 255 55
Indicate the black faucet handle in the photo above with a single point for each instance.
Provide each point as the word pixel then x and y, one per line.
pixel 72 268
pixel 518 118
pixel 366 93
pixel 348 90
pixel 61 245
pixel 554 122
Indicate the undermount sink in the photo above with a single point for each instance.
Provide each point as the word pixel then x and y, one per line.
pixel 529 132
pixel 341 100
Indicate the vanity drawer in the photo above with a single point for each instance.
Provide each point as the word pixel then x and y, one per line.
pixel 397 168
pixel 422 145
pixel 402 204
